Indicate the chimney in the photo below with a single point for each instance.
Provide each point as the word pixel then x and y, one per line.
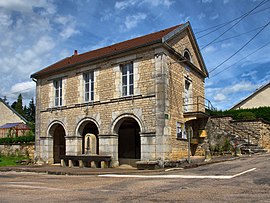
pixel 75 52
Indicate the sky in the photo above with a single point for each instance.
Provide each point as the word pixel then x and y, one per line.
pixel 37 33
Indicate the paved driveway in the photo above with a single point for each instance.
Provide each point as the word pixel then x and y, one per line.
pixel 242 180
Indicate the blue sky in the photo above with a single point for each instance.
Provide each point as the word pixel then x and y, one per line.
pixel 37 33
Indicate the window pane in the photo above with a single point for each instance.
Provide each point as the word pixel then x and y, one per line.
pixel 92 86
pixel 92 76
pixel 86 77
pixel 92 96
pixel 130 68
pixel 131 89
pixel 124 70
pixel 131 79
pixel 124 90
pixel 87 87
pixel 60 101
pixel 86 99
pixel 124 80
pixel 56 101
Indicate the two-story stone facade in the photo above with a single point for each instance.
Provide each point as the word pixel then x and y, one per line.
pixel 135 100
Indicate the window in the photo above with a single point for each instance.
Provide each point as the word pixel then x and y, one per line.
pixel 187 55
pixel 188 104
pixel 89 86
pixel 127 79
pixel 180 131
pixel 58 92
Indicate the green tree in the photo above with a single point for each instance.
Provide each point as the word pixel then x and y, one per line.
pixel 19 105
pixel 31 111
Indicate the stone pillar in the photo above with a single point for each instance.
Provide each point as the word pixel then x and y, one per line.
pixel 46 150
pixel 73 145
pixel 108 145
pixel 148 146
pixel 162 103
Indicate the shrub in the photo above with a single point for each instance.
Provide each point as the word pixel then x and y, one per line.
pixel 16 140
pixel 246 115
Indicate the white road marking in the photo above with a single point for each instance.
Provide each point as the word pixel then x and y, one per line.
pixel 173 169
pixel 178 176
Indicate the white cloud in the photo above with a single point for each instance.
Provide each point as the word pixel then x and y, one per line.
pixel 201 15
pixel 166 3
pixel 28 6
pixel 226 45
pixel 27 90
pixel 214 17
pixel 124 4
pixel 220 97
pixel 251 74
pixel 133 20
pixel 207 1
pixel 121 5
pixel 209 49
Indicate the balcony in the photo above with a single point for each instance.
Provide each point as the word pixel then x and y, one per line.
pixel 194 107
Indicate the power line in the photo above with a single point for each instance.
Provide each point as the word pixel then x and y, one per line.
pixel 225 23
pixel 242 18
pixel 241 59
pixel 241 47
pixel 222 40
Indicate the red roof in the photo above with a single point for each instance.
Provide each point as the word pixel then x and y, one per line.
pixel 106 51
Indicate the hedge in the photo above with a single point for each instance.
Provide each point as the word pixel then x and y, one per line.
pixel 240 114
pixel 17 140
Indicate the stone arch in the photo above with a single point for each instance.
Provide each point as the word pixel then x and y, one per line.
pixel 57 131
pixel 82 123
pixel 52 127
pixel 128 128
pixel 120 119
pixel 86 129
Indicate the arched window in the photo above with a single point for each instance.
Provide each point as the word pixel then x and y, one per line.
pixel 187 55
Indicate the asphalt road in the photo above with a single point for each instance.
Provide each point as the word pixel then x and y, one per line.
pixel 242 180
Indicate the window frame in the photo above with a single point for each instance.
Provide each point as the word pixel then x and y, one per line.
pixel 88 90
pixel 180 131
pixel 58 92
pixel 127 78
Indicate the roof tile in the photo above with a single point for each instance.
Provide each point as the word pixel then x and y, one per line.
pixel 109 50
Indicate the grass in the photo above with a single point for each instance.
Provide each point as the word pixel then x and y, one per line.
pixel 10 160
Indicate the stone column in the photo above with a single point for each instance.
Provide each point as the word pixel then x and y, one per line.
pixel 162 103
pixel 148 146
pixel 46 150
pixel 108 145
pixel 73 145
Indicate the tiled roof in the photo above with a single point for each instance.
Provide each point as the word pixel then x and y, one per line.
pixel 10 125
pixel 107 51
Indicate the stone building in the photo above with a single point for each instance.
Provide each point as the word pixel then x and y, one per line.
pixel 11 122
pixel 134 100
pixel 9 115
pixel 259 98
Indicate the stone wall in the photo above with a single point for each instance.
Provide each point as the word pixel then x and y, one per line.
pixel 223 128
pixel 26 150
pixel 258 131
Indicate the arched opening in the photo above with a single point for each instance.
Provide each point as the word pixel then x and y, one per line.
pixel 129 142
pixel 59 143
pixel 187 55
pixel 89 132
